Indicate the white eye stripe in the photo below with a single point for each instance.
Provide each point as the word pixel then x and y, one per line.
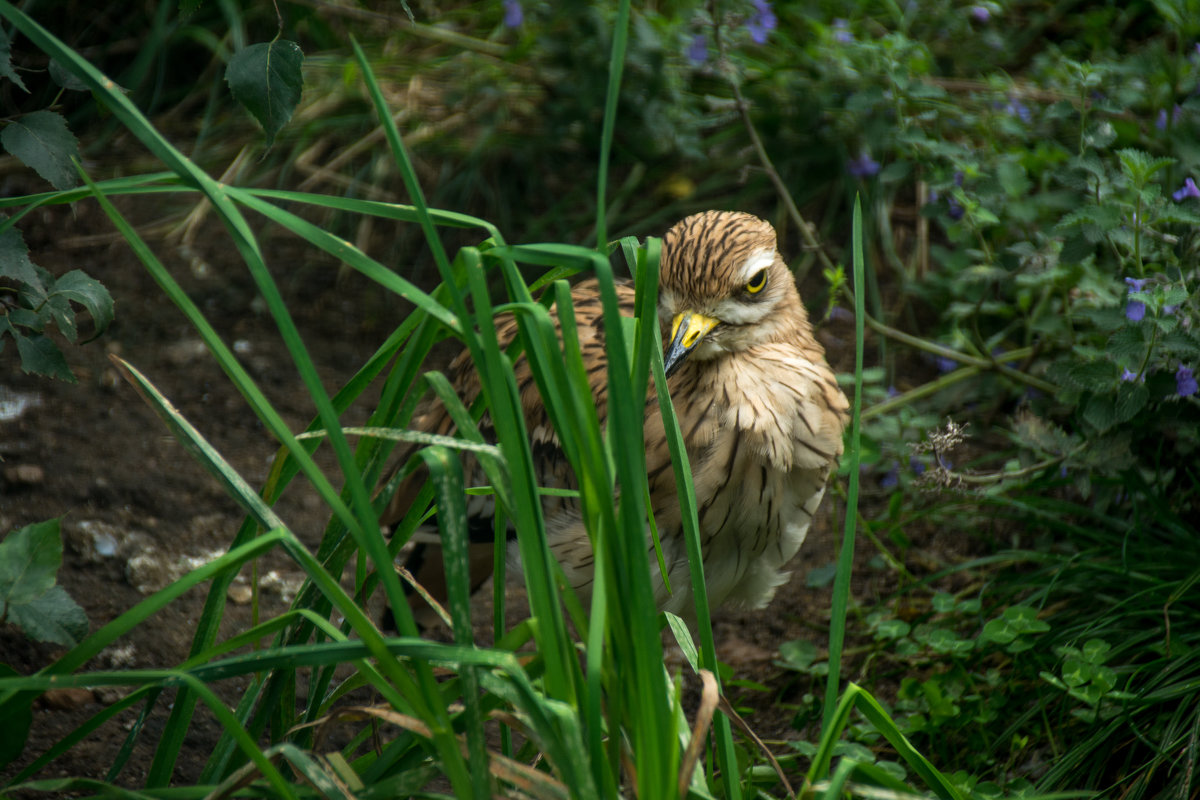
pixel 758 261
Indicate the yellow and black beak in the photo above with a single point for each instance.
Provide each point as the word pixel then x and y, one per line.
pixel 687 331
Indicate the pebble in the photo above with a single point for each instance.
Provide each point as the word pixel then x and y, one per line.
pixel 24 474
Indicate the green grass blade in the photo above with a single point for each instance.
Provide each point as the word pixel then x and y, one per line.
pixel 616 65
pixel 841 585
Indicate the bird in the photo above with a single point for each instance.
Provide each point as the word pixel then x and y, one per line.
pixel 759 407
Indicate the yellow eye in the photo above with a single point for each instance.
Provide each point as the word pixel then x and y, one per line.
pixel 757 283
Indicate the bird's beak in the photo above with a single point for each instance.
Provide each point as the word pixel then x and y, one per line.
pixel 688 329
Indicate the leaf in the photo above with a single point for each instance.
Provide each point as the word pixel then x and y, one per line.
pixel 1127 342
pixel 1100 412
pixel 1140 165
pixel 6 67
pixel 66 79
pixel 17 713
pixel 266 79
pixel 1025 619
pixel 78 287
pixel 15 263
pixel 1013 179
pixel 798 654
pixel 43 141
pixel 52 617
pixel 1131 398
pixel 41 356
pixel 29 559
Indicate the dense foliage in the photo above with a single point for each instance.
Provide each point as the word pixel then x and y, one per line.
pixel 1028 173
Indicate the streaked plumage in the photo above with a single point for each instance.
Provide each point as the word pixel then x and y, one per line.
pixel 760 410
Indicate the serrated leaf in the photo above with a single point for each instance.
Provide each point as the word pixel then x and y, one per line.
pixel 79 287
pixel 266 79
pixel 6 67
pixel 15 263
pixel 29 559
pixel 1013 179
pixel 1127 342
pixel 1131 398
pixel 1181 343
pixel 1140 165
pixel 63 315
pixel 43 141
pixel 1093 375
pixel 41 356
pixel 52 617
pixel 1100 412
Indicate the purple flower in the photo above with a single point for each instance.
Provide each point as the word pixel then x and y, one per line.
pixel 892 478
pixel 698 50
pixel 1185 382
pixel 842 314
pixel 1189 189
pixel 1161 122
pixel 1135 311
pixel 762 21
pixel 1169 310
pixel 954 209
pixel 981 13
pixel 916 465
pixel 1128 375
pixel 958 178
pixel 945 364
pixel 892 392
pixel 1019 110
pixel 863 167
pixel 1135 284
pixel 514 15
pixel 841 31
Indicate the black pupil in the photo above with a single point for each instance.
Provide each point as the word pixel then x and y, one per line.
pixel 758 280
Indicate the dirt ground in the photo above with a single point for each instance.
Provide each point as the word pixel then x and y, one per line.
pixel 135 507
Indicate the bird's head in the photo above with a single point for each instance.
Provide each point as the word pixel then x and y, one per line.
pixel 723 287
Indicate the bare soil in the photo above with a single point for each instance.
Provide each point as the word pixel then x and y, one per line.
pixel 135 507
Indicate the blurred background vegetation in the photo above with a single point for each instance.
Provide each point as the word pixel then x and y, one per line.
pixel 1027 171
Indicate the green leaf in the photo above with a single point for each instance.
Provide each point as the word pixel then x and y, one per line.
pixel 1131 398
pixel 1013 179
pixel 1096 650
pixel 6 67
pixel 1024 619
pixel 29 559
pixel 43 141
pixel 17 713
pixel 798 654
pixel 52 617
pixel 78 287
pixel 1076 672
pixel 41 356
pixel 266 79
pixel 1101 412
pixel 1127 342
pixel 1140 165
pixel 65 78
pixel 15 264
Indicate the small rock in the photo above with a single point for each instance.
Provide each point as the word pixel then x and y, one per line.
pixel 107 695
pixel 66 699
pixel 239 594
pixel 185 352
pixel 147 572
pixel 24 474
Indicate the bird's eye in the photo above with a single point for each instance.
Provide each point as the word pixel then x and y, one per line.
pixel 757 283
